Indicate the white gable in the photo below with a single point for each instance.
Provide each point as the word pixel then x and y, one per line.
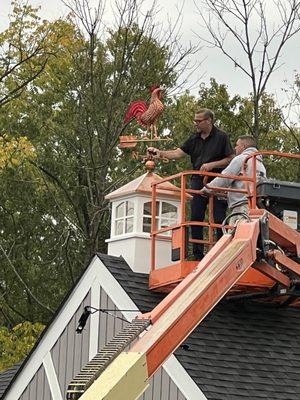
pixel 95 279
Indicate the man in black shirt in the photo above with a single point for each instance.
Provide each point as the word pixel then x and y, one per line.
pixel 210 150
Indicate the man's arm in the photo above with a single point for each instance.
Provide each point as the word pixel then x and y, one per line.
pixel 217 164
pixel 234 168
pixel 169 154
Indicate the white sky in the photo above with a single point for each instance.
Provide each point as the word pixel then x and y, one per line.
pixel 214 63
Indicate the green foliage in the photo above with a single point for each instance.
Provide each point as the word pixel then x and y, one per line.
pixel 59 155
pixel 16 343
pixel 282 168
pixel 14 152
pixel 54 216
pixel 26 46
pixel 234 114
pixel 227 110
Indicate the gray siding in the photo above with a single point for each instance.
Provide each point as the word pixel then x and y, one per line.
pixel 161 386
pixel 70 352
pixel 38 388
pixel 109 325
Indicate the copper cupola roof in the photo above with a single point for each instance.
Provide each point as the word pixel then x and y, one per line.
pixel 143 185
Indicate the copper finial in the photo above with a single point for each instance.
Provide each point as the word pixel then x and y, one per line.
pixel 150 165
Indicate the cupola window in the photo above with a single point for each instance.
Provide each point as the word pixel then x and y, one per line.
pixel 166 215
pixel 124 218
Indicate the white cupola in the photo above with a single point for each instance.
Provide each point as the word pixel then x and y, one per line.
pixel 131 222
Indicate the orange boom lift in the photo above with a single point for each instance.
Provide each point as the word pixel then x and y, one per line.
pixel 258 258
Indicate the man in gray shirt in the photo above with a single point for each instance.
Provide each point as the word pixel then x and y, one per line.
pixel 238 202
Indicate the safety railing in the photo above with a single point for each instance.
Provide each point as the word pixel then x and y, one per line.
pixel 249 191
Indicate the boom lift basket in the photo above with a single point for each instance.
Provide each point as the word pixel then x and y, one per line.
pixel 282 199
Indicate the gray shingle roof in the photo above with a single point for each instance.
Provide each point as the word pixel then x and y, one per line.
pixel 7 376
pixel 240 351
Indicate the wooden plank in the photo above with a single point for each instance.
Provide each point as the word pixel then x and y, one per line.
pixel 125 378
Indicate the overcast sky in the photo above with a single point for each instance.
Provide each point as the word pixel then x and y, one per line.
pixel 214 63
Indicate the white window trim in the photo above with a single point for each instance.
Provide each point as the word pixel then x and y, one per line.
pixel 124 218
pixel 173 221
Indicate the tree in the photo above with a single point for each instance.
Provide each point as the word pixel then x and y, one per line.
pixel 260 47
pixel 26 213
pixel 16 343
pixel 291 117
pixel 25 49
pixel 73 114
pixel 234 115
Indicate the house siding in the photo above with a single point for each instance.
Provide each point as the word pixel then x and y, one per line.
pixel 109 325
pixel 70 352
pixel 38 389
pixel 161 386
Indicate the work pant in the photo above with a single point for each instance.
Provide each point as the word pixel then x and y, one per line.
pixel 198 209
pixel 242 208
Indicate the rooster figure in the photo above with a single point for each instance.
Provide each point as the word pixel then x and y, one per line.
pixel 147 117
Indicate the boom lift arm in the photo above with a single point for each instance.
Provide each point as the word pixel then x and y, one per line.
pixel 263 242
pixel 126 377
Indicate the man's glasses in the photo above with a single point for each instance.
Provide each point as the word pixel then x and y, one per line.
pixel 198 121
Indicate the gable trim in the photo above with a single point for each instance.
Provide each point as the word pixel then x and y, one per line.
pixel 94 319
pixel 55 329
pixel 95 275
pixel 116 293
pixel 172 366
pixel 187 386
pixel 52 377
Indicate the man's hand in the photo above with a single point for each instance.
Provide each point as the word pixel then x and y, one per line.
pixel 204 192
pixel 152 151
pixel 207 167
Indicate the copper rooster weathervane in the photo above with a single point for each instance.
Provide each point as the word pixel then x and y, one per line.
pixel 146 117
